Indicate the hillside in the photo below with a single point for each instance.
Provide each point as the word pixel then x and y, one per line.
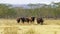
pixel 38 10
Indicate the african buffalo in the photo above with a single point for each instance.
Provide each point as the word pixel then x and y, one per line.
pixel 25 19
pixel 18 20
pixel 31 19
pixel 22 19
pixel 40 20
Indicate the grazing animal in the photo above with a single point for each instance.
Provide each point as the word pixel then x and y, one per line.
pixel 25 19
pixel 33 19
pixel 18 20
pixel 22 19
pixel 40 20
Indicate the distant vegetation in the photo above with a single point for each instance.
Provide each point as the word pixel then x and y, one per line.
pixel 38 10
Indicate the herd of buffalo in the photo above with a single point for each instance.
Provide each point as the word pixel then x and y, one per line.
pixel 30 19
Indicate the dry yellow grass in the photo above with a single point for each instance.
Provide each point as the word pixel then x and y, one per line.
pixel 10 25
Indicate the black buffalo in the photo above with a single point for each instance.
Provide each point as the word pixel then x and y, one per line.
pixel 25 19
pixel 18 20
pixel 22 19
pixel 40 20
pixel 31 19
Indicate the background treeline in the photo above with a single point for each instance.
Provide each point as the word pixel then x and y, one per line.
pixel 47 11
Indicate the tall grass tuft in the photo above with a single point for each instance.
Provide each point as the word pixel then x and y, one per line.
pixel 10 30
pixel 30 31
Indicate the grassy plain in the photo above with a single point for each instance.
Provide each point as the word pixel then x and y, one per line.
pixel 10 26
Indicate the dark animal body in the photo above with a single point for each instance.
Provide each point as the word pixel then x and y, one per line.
pixel 40 20
pixel 18 20
pixel 27 19
pixel 33 19
pixel 23 19
pixel 30 19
